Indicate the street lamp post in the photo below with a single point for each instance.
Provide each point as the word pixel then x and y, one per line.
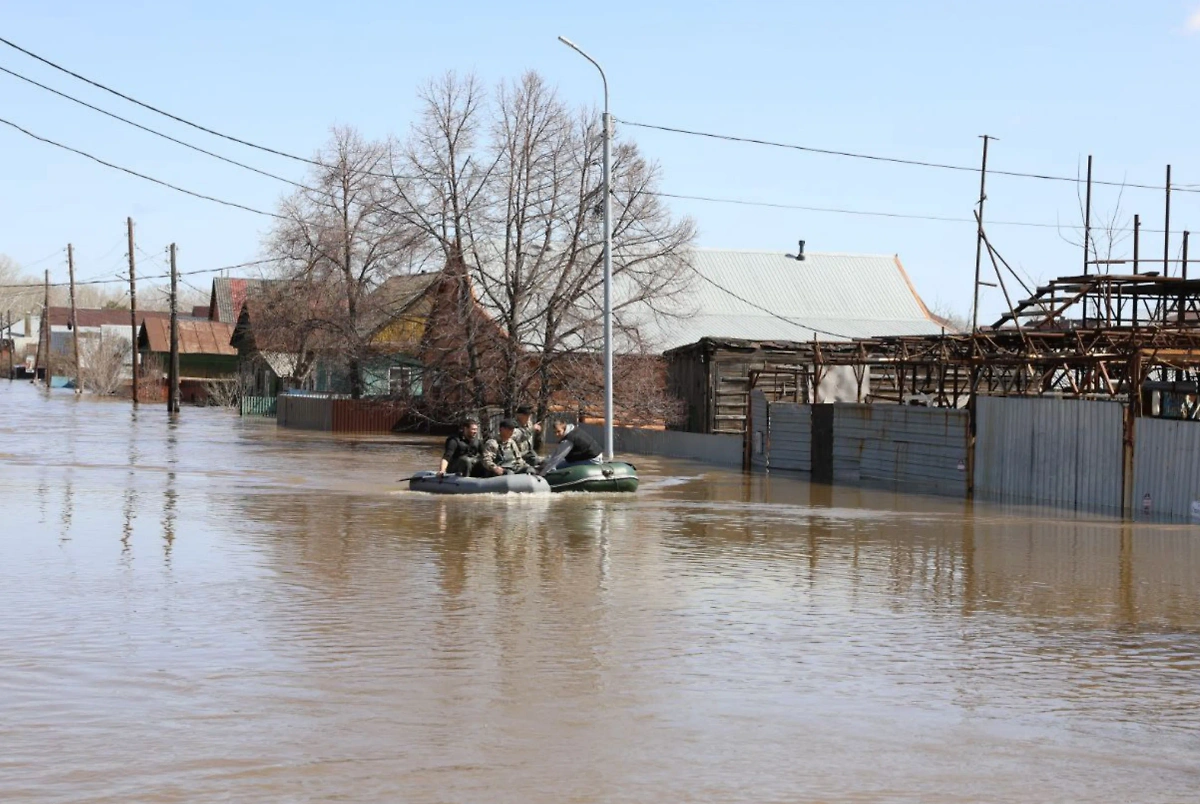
pixel 606 122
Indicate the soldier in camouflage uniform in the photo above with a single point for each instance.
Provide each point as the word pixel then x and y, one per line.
pixel 527 436
pixel 501 455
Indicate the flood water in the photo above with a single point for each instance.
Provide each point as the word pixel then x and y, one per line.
pixel 217 610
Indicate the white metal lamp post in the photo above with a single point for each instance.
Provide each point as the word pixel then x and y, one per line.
pixel 606 122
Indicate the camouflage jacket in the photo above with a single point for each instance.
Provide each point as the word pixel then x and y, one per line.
pixel 505 454
pixel 526 446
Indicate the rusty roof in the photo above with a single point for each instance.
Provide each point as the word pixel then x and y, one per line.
pixel 92 318
pixel 195 337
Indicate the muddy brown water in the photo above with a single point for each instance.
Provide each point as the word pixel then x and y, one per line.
pixel 217 610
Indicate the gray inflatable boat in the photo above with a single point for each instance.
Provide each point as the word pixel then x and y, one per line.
pixel 430 483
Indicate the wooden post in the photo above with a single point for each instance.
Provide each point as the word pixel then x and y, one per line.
pixel 173 371
pixel 74 318
pixel 46 331
pixel 11 347
pixel 133 328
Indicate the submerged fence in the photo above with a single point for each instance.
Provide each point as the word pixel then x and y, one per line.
pixel 1074 454
pixel 910 446
pixel 338 414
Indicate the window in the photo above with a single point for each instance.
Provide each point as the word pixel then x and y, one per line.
pixel 405 381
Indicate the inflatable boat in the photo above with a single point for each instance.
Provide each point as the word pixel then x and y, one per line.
pixel 615 476
pixel 457 484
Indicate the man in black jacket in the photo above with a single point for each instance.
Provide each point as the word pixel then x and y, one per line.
pixel 463 451
pixel 574 447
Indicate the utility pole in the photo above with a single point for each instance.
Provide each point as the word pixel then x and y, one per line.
pixel 173 371
pixel 11 346
pixel 1167 225
pixel 74 318
pixel 133 328
pixel 979 234
pixel 46 330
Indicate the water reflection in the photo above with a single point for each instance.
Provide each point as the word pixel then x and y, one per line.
pixel 322 635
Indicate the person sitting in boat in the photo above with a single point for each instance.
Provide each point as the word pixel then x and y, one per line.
pixel 463 451
pixel 528 436
pixel 574 447
pixel 501 455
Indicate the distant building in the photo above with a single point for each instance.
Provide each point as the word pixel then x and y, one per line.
pixel 746 311
pixel 205 354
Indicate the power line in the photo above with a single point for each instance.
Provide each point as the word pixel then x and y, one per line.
pixel 898 160
pixel 124 279
pixel 843 211
pixel 155 109
pixel 153 131
pixel 177 188
pixel 879 214
pixel 178 119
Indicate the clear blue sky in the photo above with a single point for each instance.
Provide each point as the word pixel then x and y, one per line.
pixel 1054 80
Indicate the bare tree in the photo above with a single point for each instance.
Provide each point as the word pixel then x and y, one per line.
pixel 338 242
pixel 19 292
pixel 103 364
pixel 508 194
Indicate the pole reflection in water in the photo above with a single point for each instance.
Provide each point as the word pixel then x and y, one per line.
pixel 715 637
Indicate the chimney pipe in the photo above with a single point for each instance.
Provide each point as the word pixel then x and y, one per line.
pixel 800 252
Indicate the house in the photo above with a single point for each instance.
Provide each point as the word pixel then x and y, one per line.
pixel 97 327
pixel 280 343
pixel 205 354
pixel 752 316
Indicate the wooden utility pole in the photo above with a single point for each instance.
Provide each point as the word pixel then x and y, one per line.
pixel 46 331
pixel 979 234
pixel 11 346
pixel 74 318
pixel 1167 226
pixel 173 371
pixel 133 328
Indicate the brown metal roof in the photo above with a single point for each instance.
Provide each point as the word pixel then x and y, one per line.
pixel 91 318
pixel 195 337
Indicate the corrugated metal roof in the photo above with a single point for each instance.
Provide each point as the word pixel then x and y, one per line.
pixel 195 337
pixel 749 294
pixel 95 318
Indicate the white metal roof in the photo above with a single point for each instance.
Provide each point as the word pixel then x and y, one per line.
pixel 758 295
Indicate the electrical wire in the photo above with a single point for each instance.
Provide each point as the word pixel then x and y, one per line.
pixel 175 187
pixel 154 132
pixel 178 119
pixel 766 310
pixel 35 285
pixel 155 109
pixel 900 161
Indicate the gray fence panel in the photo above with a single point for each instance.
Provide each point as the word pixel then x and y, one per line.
pixel 1067 453
pixel 791 436
pixel 1166 467
pixel 908 445
pixel 759 431
pixel 304 412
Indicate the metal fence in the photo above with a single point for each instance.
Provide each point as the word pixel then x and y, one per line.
pixel 907 445
pixel 1166 475
pixel 257 406
pixel 1066 453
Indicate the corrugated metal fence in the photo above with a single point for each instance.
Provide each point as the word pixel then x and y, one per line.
pixel 780 434
pixel 908 445
pixel 305 412
pixel 337 414
pixel 1066 453
pixel 1166 477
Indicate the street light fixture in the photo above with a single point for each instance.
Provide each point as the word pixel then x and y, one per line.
pixel 606 122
